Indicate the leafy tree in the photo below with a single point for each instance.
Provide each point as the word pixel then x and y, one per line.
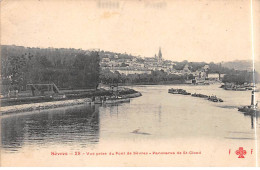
pixel 16 67
pixel 238 78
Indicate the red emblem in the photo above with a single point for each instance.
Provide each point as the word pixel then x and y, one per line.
pixel 241 152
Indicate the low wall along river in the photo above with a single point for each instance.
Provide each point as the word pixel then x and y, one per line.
pixel 53 104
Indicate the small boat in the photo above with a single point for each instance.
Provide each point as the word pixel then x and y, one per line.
pixel 220 100
pixel 173 91
pixel 244 108
pixel 178 91
pixel 240 89
pixel 186 93
pixel 250 110
pixel 181 91
pixel 213 98
pixel 253 109
pixel 203 96
pixel 200 95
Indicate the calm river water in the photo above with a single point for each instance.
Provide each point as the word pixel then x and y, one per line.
pixel 157 115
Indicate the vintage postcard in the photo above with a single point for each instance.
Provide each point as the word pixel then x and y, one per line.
pixel 130 83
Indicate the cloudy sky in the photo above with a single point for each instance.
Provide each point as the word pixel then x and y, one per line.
pixel 195 30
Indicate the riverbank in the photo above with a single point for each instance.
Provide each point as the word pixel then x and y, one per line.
pixel 176 82
pixel 42 106
pixel 63 96
pixel 54 104
pixel 154 83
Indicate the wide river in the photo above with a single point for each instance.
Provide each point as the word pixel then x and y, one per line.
pixel 158 116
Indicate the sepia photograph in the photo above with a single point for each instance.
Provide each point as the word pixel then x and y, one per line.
pixel 129 83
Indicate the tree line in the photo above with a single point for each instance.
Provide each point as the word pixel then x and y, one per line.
pixel 156 77
pixel 213 67
pixel 240 77
pixel 67 68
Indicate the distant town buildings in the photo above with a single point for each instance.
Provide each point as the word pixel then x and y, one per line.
pixel 138 65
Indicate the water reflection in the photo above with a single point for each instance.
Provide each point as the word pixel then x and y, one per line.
pixel 252 122
pixel 78 124
pixel 254 119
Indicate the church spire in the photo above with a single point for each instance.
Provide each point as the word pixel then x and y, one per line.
pixel 160 54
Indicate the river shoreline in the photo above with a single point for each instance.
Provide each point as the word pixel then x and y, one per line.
pixel 155 83
pixel 42 106
pixel 27 98
pixel 53 104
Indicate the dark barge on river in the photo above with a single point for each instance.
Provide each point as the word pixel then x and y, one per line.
pixel 178 91
pixel 252 109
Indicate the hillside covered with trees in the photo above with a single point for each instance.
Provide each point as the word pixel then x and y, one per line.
pixel 67 68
